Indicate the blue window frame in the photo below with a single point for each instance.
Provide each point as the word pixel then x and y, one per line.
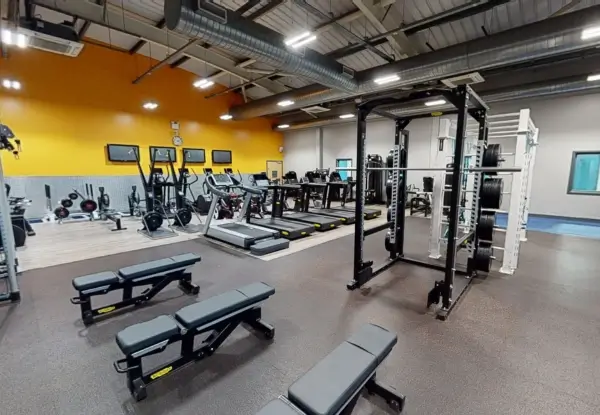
pixel 344 163
pixel 585 173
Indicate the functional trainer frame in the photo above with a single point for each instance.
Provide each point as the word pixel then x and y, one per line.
pixel 467 102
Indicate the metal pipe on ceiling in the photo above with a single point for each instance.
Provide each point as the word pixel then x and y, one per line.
pixel 570 85
pixel 551 37
pixel 244 37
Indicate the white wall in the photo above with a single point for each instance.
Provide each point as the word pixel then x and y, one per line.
pixel 566 124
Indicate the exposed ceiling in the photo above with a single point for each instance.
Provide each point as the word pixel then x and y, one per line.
pixel 342 26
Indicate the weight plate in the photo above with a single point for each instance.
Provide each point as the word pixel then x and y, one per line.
pixel 483 257
pixel 485 226
pixel 388 244
pixel 67 203
pixel 88 206
pixel 153 221
pixel 61 212
pixel 491 155
pixel 185 216
pixel 73 196
pixel 491 193
pixel 105 199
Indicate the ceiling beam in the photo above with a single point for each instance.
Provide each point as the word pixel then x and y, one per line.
pixel 165 61
pixel 179 62
pixel 140 43
pixel 267 8
pixel 117 19
pixel 86 24
pixel 247 6
pixel 375 14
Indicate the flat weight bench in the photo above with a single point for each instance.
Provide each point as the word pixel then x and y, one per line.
pixel 219 315
pixel 334 384
pixel 157 274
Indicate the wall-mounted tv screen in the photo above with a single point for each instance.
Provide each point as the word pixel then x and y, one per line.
pixel 122 152
pixel 162 154
pixel 194 155
pixel 221 157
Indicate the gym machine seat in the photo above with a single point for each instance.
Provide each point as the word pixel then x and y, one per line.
pixel 334 384
pixel 219 315
pixel 156 274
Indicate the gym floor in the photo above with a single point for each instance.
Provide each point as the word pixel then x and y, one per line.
pixel 524 344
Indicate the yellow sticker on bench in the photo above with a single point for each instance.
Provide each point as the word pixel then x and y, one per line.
pixel 161 372
pixel 106 310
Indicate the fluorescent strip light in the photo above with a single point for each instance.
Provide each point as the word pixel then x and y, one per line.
pixel 285 103
pixel 6 84
pixel 304 42
pixel 7 37
pixel 386 79
pixel 291 41
pixel 203 84
pixel 150 105
pixel 16 85
pixel 590 33
pixel 283 126
pixel 593 78
pixel 21 41
pixel 344 116
pixel 436 102
pixel 226 117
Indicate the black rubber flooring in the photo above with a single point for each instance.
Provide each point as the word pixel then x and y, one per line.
pixel 522 344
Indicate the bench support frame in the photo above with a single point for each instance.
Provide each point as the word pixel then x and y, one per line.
pixel 157 283
pixel 138 379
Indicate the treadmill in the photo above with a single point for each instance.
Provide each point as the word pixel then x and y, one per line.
pixel 238 233
pixel 318 222
pixel 287 228
pixel 369 213
pixel 345 216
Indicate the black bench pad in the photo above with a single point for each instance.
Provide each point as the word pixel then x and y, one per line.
pixel 199 314
pixel 185 260
pixel 87 282
pixel 147 268
pixel 140 336
pixel 325 388
pixel 278 407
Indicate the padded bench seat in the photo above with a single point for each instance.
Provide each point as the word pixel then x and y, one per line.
pixel 268 246
pixel 196 315
pixel 140 336
pixel 100 279
pixel 331 383
pixel 278 407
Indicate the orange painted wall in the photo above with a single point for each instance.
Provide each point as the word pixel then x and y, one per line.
pixel 70 108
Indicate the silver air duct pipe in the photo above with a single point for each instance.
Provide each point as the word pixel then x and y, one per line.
pixel 533 91
pixel 551 37
pixel 246 38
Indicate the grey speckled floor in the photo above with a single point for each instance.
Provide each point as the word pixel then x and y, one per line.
pixel 524 344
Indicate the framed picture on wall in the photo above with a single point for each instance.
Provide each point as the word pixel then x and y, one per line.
pixel 162 154
pixel 221 157
pixel 124 153
pixel 194 155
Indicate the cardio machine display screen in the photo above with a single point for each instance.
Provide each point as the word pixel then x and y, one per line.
pixel 222 180
pixel 120 152
pixel 221 157
pixel 194 155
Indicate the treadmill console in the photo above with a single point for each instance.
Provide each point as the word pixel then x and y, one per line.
pixel 261 180
pixel 208 170
pixel 221 180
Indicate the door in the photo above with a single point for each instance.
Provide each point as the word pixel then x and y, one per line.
pixel 275 170
pixel 344 174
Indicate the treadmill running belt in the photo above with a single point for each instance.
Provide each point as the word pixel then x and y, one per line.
pixel 246 230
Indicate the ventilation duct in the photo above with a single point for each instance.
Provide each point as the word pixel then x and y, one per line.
pixel 246 38
pixel 534 91
pixel 551 37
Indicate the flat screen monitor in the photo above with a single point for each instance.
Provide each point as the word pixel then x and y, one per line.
pixel 221 157
pixel 162 154
pixel 122 152
pixel 194 155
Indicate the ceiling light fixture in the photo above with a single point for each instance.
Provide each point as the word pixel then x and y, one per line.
pixel 304 41
pixel 436 102
pixel 283 126
pixel 203 84
pixel 593 78
pixel 590 33
pixel 294 41
pixel 16 85
pixel 150 106
pixel 10 84
pixel 226 117
pixel 285 103
pixel 344 116
pixel 386 79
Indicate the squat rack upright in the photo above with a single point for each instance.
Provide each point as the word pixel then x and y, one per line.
pixel 467 103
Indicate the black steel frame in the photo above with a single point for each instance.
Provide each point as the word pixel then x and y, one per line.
pixel 138 379
pixel 467 102
pixel 157 284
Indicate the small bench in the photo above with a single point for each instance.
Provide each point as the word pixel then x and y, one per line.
pixel 334 384
pixel 156 274
pixel 219 315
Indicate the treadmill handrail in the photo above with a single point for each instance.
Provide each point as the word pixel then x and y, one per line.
pixel 253 190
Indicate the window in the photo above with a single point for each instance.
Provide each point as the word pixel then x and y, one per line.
pixel 344 174
pixel 585 173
